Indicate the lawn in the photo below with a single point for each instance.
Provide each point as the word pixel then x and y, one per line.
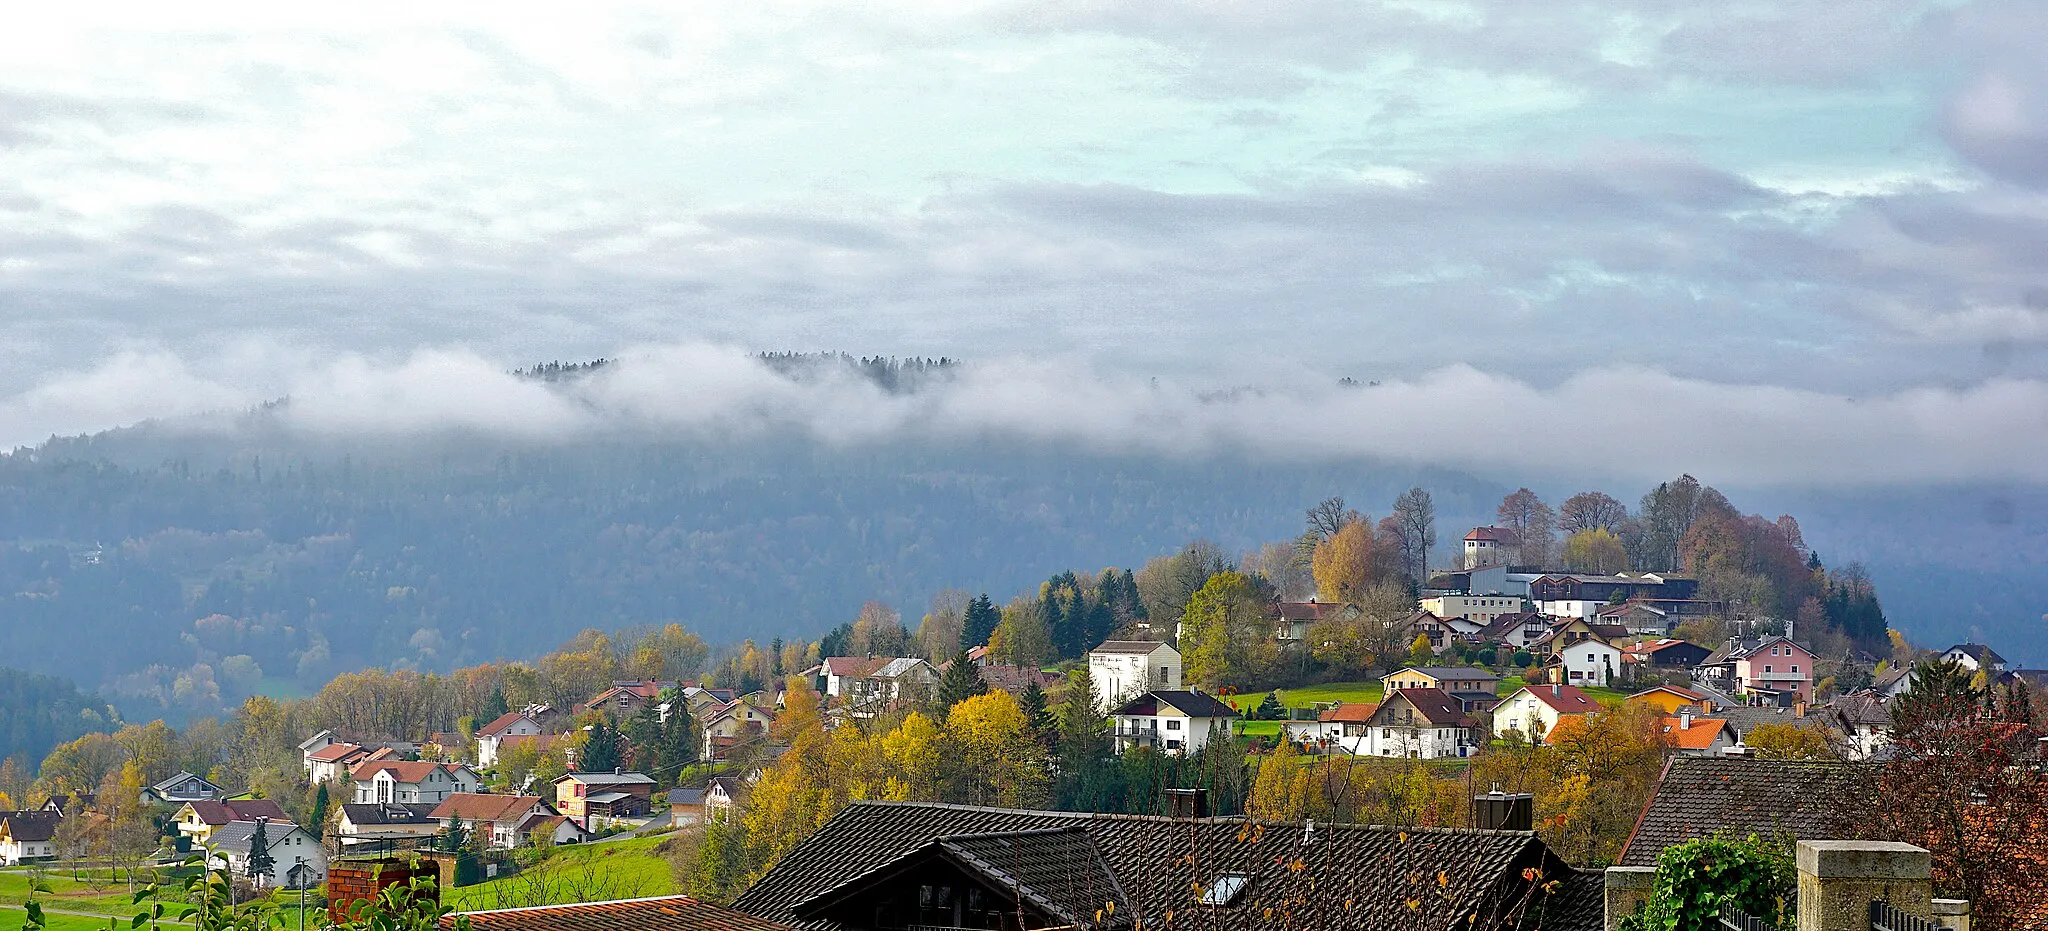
pixel 12 916
pixel 1308 695
pixel 617 870
pixel 68 894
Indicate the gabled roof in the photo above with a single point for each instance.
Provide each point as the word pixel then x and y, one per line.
pixel 899 666
pixel 244 809
pixel 685 797
pixel 316 738
pixel 500 723
pixel 1349 877
pixel 853 666
pixel 174 782
pixel 607 779
pixel 31 825
pixel 1057 872
pixel 1687 694
pixel 1984 655
pixel 390 813
pixel 1130 646
pixel 1303 610
pixel 661 913
pixel 1565 699
pixel 1743 649
pixel 734 786
pixel 235 837
pixel 1453 673
pixel 407 771
pixel 1491 534
pixel 1502 625
pixel 1349 712
pixel 336 753
pixel 1190 703
pixel 1434 706
pixel 1700 736
pixel 1015 679
pixel 1860 708
pixel 1697 796
pixel 476 806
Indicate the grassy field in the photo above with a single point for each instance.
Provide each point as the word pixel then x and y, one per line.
pixel 11 917
pixel 1308 695
pixel 617 869
pixel 67 894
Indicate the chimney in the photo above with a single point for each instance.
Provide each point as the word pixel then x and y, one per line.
pixel 1799 708
pixel 1500 811
pixel 1840 879
pixel 1188 803
pixel 1557 690
pixel 618 770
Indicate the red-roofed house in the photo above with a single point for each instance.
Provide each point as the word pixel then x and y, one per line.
pixel 1488 546
pixel 498 817
pixel 490 738
pixel 1697 736
pixel 1345 726
pixel 1533 710
pixel 625 699
pixel 732 724
pixel 407 781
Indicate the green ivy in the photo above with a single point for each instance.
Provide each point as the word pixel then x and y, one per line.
pixel 1696 878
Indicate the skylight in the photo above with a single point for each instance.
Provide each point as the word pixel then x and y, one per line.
pixel 1225 889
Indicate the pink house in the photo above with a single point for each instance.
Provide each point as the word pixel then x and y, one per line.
pixel 1772 667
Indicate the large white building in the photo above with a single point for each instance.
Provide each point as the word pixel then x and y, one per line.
pixel 408 782
pixel 1533 710
pixel 1124 669
pixel 1481 609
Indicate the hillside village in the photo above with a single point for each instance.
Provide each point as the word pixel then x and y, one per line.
pixel 1572 709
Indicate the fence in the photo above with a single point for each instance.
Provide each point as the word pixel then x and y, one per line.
pixel 1734 919
pixel 1884 916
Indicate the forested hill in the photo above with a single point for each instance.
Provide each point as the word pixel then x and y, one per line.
pixel 40 712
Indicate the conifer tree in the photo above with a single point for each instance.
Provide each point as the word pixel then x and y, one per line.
pixel 1035 712
pixel 979 623
pixel 961 682
pixel 601 751
pixel 494 707
pixel 260 862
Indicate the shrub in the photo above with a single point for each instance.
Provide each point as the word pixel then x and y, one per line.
pixel 1696 878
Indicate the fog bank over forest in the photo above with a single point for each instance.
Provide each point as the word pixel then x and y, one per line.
pixel 445 510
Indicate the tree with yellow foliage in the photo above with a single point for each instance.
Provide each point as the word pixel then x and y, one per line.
pixel 1343 564
pixel 1226 637
pixel 1281 791
pixel 1000 762
pixel 1595 550
pixel 1789 742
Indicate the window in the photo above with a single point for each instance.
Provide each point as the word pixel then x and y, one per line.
pixel 1795 668
pixel 1225 889
pixel 1767 669
pixel 1173 724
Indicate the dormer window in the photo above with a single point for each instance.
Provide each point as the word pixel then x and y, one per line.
pixel 1226 889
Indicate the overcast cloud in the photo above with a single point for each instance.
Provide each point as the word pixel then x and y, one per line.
pixel 1780 228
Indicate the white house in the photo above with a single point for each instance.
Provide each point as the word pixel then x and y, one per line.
pixel 1975 656
pixel 28 836
pixel 182 788
pixel 1533 710
pixel 1425 724
pixel 501 818
pixel 411 781
pixel 1481 609
pixel 1122 669
pixel 490 738
pixel 1177 722
pixel 1587 662
pixel 1488 546
pixel 293 852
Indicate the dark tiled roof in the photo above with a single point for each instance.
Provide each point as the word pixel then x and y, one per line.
pixel 390 813
pixel 665 913
pixel 246 809
pixel 1564 698
pixel 685 797
pixel 1431 705
pixel 1747 718
pixel 476 806
pixel 1698 796
pixel 31 825
pixel 1192 704
pixel 1979 652
pixel 1345 876
pixel 1056 871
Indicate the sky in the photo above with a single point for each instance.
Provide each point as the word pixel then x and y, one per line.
pixel 1802 239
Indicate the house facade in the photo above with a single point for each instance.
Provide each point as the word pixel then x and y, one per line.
pixel 1482 609
pixel 1774 668
pixel 28 836
pixel 407 781
pixel 1346 727
pixel 1975 656
pixel 182 788
pixel 617 794
pixel 490 738
pixel 1475 689
pixel 1670 699
pixel 1422 723
pixel 1172 721
pixel 1124 669
pixel 387 826
pixel 1585 596
pixel 625 699
pixel 1691 734
pixel 499 818
pixel 1533 711
pixel 295 855
pixel 1519 630
pixel 723 796
pixel 1488 546
pixel 199 820
pixel 1586 662
pixel 733 724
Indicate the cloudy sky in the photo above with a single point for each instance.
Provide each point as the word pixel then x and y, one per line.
pixel 1760 214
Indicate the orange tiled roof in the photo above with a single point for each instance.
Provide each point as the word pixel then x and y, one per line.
pixel 1699 736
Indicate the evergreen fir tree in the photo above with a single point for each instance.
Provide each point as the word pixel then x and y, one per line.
pixel 643 732
pixel 260 862
pixel 454 837
pixel 318 827
pixel 979 623
pixel 678 746
pixel 601 751
pixel 1270 709
pixel 960 682
pixel 494 707
pixel 1032 702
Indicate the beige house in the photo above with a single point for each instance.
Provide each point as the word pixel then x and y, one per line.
pixel 1124 669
